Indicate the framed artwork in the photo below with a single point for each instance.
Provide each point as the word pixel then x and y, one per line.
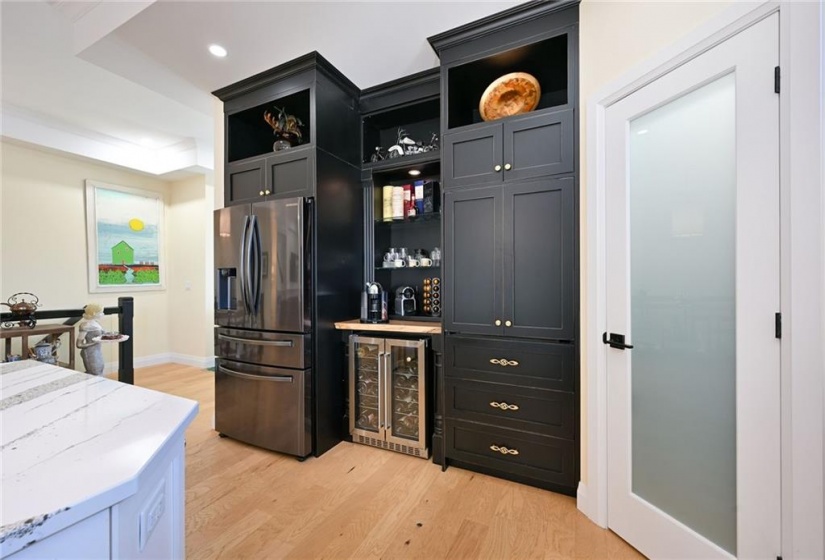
pixel 124 231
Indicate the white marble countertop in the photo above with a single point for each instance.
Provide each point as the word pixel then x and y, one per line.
pixel 73 444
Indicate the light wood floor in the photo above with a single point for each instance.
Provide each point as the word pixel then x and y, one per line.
pixel 360 502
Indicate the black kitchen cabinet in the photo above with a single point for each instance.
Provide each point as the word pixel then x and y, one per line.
pixel 510 262
pixel 510 220
pixel 526 147
pixel 286 174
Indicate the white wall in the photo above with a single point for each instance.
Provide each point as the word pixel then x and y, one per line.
pixel 190 249
pixel 43 250
pixel 614 36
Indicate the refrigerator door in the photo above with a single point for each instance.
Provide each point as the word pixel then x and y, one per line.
pixel 232 281
pixel 264 406
pixel 281 252
pixel 404 378
pixel 366 387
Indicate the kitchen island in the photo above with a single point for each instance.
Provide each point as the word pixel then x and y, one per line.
pixel 91 467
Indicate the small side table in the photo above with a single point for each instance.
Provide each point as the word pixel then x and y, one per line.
pixel 38 331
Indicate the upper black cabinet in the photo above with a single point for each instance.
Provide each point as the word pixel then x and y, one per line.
pixel 308 88
pixel 524 147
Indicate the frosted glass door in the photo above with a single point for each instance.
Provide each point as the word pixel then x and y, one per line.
pixel 693 285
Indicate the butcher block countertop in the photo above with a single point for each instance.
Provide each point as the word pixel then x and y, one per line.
pixel 412 327
pixel 74 444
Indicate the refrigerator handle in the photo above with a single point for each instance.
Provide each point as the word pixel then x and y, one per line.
pixel 242 272
pixel 247 266
pixel 258 278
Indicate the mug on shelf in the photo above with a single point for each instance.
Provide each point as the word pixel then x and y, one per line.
pixel 412 262
pixel 425 261
pixel 400 263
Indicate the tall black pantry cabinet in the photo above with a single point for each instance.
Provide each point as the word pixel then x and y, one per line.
pixel 325 169
pixel 510 390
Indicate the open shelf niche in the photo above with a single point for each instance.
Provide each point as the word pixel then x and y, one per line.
pixel 546 60
pixel 249 135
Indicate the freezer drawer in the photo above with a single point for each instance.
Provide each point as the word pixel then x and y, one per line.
pixel 262 347
pixel 264 406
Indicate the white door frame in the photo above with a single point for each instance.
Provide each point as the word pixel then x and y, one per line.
pixel 802 244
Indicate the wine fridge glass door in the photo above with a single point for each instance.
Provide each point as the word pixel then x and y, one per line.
pixel 406 396
pixel 366 386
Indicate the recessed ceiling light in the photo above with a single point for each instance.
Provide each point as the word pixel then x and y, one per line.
pixel 217 50
pixel 414 172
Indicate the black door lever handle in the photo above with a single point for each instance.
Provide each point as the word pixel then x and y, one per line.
pixel 615 341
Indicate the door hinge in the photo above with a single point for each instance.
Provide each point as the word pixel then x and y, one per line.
pixel 778 325
pixel 776 80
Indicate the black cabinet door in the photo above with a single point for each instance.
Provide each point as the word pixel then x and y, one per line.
pixel 539 247
pixel 472 156
pixel 538 145
pixel 472 260
pixel 290 174
pixel 245 181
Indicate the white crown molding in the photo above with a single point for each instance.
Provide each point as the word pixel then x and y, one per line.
pixel 26 126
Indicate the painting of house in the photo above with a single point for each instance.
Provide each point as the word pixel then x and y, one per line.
pixel 122 253
pixel 125 241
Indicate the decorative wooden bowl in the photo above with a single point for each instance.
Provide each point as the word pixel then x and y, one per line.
pixel 511 94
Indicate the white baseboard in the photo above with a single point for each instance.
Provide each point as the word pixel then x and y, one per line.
pixel 203 362
pixel 587 506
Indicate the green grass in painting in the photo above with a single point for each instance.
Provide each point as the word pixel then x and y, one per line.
pixel 110 277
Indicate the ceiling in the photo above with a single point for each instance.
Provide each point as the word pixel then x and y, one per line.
pixel 129 83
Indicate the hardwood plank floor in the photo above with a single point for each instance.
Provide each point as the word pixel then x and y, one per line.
pixel 360 502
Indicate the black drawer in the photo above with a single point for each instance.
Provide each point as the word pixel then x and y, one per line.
pixel 515 362
pixel 529 456
pixel 535 410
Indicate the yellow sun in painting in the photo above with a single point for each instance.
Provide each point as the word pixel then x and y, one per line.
pixel 136 224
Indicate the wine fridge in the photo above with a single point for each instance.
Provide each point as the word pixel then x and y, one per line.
pixel 387 394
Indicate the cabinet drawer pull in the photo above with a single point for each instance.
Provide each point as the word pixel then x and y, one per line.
pixel 503 362
pixel 503 450
pixel 504 405
pixel 261 193
pixel 507 166
pixel 497 168
pixel 267 191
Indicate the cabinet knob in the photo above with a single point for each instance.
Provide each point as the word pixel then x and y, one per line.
pixel 267 191
pixel 508 324
pixel 507 166
pixel 261 193
pixel 497 168
pixel 498 322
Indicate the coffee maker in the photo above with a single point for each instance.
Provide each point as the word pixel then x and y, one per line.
pixel 405 301
pixel 373 304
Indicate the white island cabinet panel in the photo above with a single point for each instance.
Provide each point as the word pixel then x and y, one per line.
pixel 86 540
pixel 91 468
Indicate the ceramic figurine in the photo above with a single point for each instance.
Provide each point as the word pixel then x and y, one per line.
pixel 91 351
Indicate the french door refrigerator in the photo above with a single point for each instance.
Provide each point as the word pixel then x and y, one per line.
pixel 387 394
pixel 263 324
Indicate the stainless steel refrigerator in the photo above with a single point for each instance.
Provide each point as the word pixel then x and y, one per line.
pixel 263 318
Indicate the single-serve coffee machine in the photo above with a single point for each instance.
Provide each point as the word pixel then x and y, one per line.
pixel 374 304
pixel 405 301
